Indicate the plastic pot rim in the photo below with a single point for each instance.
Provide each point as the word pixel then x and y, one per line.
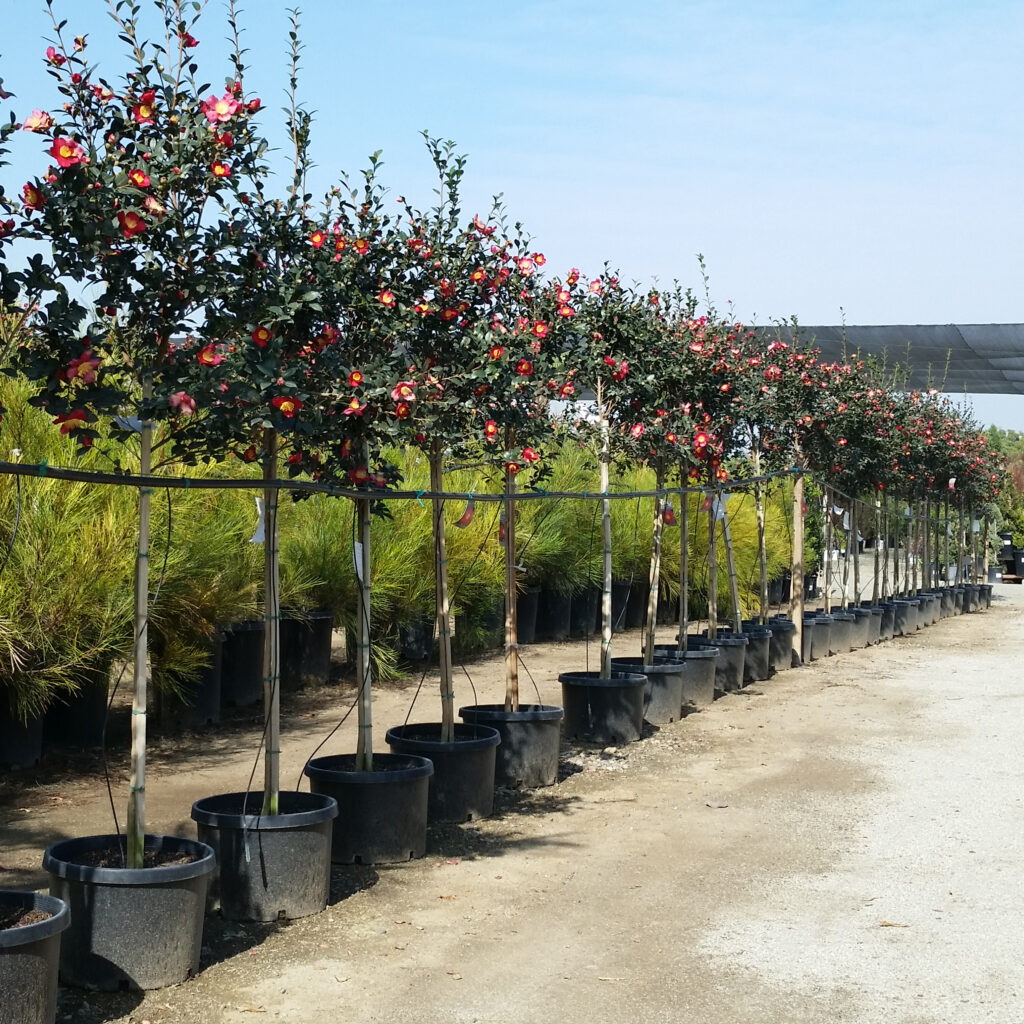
pixel 55 862
pixel 319 808
pixel 657 669
pixel 618 679
pixel 322 769
pixel 59 919
pixel 483 713
pixel 474 737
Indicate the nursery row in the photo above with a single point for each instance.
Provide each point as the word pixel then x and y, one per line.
pixel 255 867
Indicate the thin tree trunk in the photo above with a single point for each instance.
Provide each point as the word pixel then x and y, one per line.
pixel 606 538
pixel 684 568
pixel 271 630
pixel 655 575
pixel 926 538
pixel 856 555
pixel 962 544
pixel 364 708
pixel 762 547
pixel 848 532
pixel 945 539
pixel 511 625
pixel 444 632
pixel 885 548
pixel 796 568
pixel 827 526
pixel 984 549
pixel 734 587
pixel 712 569
pixel 135 829
pixel 875 590
pixel 907 523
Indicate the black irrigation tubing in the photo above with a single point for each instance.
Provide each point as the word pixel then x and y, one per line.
pixel 43 469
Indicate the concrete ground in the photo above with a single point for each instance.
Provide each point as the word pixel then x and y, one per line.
pixel 841 843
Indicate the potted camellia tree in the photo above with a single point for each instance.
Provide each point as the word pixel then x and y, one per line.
pixel 129 210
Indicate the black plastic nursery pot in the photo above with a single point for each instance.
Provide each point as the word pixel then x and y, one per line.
pixel 382 814
pixel 603 711
pixel 874 631
pixel 698 673
pixel 757 662
pixel 972 596
pixel 76 720
pixel 958 600
pixel 807 639
pixel 526 615
pixel 901 621
pixel 841 636
pixel 914 615
pixel 948 602
pixel 241 673
pixel 527 755
pixel 462 786
pixel 780 650
pixel 584 611
pixel 29 958
pixel 139 928
pixel 986 595
pixel 194 704
pixel 861 632
pixel 306 649
pixel 888 627
pixel 663 691
pixel 822 636
pixel 732 655
pixel 21 742
pixel 554 612
pixel 273 867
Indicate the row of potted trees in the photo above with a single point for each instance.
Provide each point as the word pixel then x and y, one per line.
pixel 185 309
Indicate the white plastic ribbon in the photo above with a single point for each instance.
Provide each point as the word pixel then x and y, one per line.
pixel 260 535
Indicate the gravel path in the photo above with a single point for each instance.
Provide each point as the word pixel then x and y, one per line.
pixel 841 843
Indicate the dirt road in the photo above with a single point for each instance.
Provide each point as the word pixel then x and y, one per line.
pixel 841 843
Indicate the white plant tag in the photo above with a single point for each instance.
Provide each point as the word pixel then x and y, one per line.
pixel 357 558
pixel 260 535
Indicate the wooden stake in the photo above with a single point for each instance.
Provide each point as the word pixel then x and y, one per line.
pixel 734 587
pixel 655 574
pixel 511 624
pixel 684 568
pixel 796 569
pixel 762 548
pixel 271 630
pixel 828 550
pixel 875 589
pixel 712 569
pixel 135 828
pixel 606 539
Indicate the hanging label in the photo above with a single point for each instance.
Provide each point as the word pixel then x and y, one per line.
pixel 837 510
pixel 719 506
pixel 906 512
pixel 952 483
pixel 668 514
pixel 846 519
pixel 467 516
pixel 259 535
pixel 357 559
pixel 975 526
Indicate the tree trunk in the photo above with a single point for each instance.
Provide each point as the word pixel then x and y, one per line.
pixel 271 630
pixel 856 554
pixel 796 568
pixel 875 591
pixel 606 538
pixel 730 558
pixel 511 625
pixel 712 568
pixel 364 708
pixel 848 532
pixel 684 557
pixel 444 632
pixel 762 547
pixel 984 550
pixel 655 575
pixel 135 829
pixel 828 549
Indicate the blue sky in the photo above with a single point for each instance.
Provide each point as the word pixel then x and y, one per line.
pixel 829 159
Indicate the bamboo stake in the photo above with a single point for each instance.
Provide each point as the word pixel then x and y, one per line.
pixel 984 549
pixel 946 539
pixel 908 525
pixel 962 545
pixel 684 568
pixel 856 555
pixel 135 829
pixel 655 575
pixel 926 538
pixel 844 600
pixel 886 525
pixel 606 538
pixel 827 527
pixel 444 634
pixel 712 570
pixel 511 624
pixel 796 570
pixel 734 588
pixel 364 709
pixel 271 630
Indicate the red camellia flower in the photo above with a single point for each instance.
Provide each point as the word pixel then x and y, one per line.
pixel 142 112
pixel 54 57
pixel 512 468
pixel 209 356
pixel 254 104
pixel 6 227
pixel 359 475
pixel 261 336
pixel 220 109
pixel 566 311
pixel 671 438
pixel 620 373
pixel 355 378
pixel 354 408
pixel 402 410
pixel 220 170
pixel 529 455
pixel 491 430
pixel 362 246
pixel 182 402
pixel 286 406
pixel 423 308
pixel 37 121
pixel 102 93
pixel 404 391
pixel 637 430
pixel 722 473
pixel 66 152
pixel 540 329
pixel 497 351
pixel 188 40
pixel 478 275
pixel 700 441
pixel 33 197
pixel 694 474
pixel 524 367
pixel 139 178
pixel 317 238
pixel 73 420
pixel 449 314
pixel 386 297
pixel 131 224
pixel 566 390
pixel 83 368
